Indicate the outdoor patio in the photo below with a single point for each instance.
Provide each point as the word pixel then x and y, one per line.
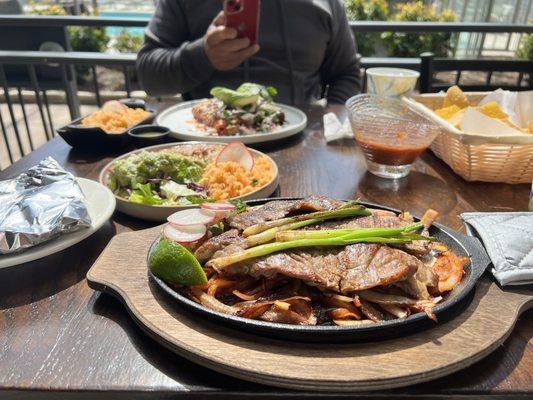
pixel 371 243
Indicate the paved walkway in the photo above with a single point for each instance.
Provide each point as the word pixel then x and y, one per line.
pixel 60 117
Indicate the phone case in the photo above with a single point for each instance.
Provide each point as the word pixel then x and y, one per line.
pixel 243 15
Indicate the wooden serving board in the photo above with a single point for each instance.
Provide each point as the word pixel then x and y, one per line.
pixel 448 347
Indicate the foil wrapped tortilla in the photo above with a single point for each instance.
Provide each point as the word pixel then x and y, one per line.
pixel 39 205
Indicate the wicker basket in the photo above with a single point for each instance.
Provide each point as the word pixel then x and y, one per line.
pixel 488 162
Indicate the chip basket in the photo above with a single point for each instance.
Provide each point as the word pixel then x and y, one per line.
pixel 488 161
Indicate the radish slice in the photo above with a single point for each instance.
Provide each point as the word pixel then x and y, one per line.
pixel 192 216
pixel 236 152
pixel 184 234
pixel 218 206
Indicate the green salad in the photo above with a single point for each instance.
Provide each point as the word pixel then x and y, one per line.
pixel 159 178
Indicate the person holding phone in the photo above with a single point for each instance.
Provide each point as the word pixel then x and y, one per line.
pixel 302 47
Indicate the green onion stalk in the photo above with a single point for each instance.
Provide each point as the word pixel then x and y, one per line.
pixel 355 233
pixel 343 212
pixel 394 236
pixel 299 222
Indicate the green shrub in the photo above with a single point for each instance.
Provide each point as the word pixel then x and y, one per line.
pixel 525 50
pixel 88 38
pixel 82 38
pixel 401 44
pixel 125 42
pixel 45 8
pixel 366 10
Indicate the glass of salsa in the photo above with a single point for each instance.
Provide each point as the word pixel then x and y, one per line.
pixel 390 133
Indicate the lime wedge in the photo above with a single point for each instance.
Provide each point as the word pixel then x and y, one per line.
pixel 174 264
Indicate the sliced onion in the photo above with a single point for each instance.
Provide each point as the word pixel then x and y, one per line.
pixel 184 234
pixel 347 322
pixel 212 303
pixel 344 313
pixel 236 152
pixel 282 305
pixel 243 296
pixel 192 216
pixel 218 206
pixel 114 106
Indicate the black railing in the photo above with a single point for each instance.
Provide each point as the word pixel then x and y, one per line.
pixel 67 61
pixel 359 26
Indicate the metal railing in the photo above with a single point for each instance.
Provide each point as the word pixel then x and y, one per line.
pixel 67 61
pixel 359 26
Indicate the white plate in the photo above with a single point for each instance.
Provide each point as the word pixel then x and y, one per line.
pixel 181 123
pixel 100 205
pixel 160 213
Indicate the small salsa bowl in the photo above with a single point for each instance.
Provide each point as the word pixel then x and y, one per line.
pixel 148 135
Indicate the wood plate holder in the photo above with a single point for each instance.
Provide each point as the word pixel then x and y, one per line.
pixel 488 320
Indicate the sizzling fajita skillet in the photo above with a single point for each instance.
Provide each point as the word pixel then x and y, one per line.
pixel 452 303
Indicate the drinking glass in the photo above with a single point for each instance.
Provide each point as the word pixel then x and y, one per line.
pixel 390 133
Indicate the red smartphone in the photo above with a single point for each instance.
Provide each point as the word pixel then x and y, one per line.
pixel 243 15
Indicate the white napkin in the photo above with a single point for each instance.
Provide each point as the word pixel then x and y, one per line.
pixel 517 105
pixel 508 239
pixel 334 129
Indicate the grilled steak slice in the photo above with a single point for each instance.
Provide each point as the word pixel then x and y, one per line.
pixel 345 270
pixel 379 219
pixel 277 209
pixel 216 243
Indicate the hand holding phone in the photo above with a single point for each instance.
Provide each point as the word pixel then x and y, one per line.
pixel 243 15
pixel 224 49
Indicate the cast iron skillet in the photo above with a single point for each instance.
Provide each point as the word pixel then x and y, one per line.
pixel 453 302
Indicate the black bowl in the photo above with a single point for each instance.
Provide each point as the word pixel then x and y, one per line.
pixel 90 137
pixel 454 302
pixel 160 135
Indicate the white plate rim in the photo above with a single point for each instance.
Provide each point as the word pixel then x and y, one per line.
pixel 65 241
pixel 248 139
pixel 101 178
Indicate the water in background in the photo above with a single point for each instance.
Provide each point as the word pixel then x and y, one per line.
pixel 114 31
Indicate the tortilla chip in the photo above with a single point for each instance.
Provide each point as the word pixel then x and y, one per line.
pixel 456 119
pixel 455 96
pixel 493 110
pixel 509 123
pixel 447 112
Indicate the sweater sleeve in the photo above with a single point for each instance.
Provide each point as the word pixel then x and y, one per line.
pixel 340 71
pixel 168 63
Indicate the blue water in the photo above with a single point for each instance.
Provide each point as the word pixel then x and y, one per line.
pixel 115 30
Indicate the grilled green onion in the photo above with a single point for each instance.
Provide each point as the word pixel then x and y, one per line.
pixel 269 248
pixel 354 233
pixel 355 211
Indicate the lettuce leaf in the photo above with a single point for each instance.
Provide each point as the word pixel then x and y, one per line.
pixel 143 194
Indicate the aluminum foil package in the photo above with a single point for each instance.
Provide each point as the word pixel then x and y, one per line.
pixel 38 205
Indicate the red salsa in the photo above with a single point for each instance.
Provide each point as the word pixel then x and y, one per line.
pixel 398 152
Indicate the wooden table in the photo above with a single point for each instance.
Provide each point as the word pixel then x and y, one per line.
pixel 60 339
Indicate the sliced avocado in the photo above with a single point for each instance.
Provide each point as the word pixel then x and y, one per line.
pixel 233 98
pixel 253 88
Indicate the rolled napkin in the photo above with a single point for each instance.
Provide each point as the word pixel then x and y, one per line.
pixel 508 239
pixel 334 129
pixel 39 205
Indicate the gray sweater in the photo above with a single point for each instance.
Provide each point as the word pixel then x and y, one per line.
pixel 306 48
